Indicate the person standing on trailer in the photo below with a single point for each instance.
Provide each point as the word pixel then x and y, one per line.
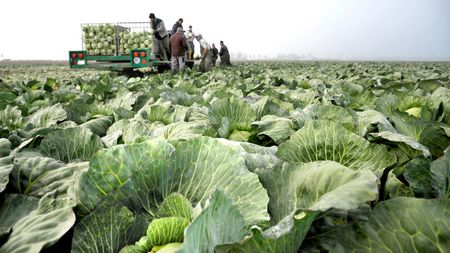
pixel 224 55
pixel 177 24
pixel 178 45
pixel 160 37
pixel 190 36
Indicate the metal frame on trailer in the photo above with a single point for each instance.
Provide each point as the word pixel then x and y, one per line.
pixel 137 58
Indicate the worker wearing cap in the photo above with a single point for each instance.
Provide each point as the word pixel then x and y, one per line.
pixel 206 53
pixel 178 46
pixel 190 36
pixel 161 43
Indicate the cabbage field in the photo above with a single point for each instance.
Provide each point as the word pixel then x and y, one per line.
pixel 259 157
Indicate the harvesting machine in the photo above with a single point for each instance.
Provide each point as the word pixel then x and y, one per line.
pixel 122 46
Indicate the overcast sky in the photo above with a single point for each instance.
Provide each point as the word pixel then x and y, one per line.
pixel 324 29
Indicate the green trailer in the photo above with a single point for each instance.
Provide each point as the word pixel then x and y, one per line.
pixel 122 46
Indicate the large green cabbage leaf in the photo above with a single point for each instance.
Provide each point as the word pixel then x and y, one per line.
pixel 146 173
pixel 37 175
pixel 277 128
pixel 14 207
pixel 402 225
pixel 72 144
pixel 6 163
pixel 298 193
pixel 220 223
pixel 230 114
pixel 107 229
pixel 41 227
pixel 328 141
pixel 440 175
pixel 47 117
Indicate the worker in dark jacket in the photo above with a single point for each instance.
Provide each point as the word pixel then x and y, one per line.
pixel 179 46
pixel 177 24
pixel 215 54
pixel 160 37
pixel 224 55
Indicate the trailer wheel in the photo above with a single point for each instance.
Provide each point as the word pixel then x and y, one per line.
pixel 131 73
pixel 190 64
pixel 162 67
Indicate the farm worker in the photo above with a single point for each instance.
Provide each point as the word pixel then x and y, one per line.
pixel 178 45
pixel 190 36
pixel 215 53
pixel 177 24
pixel 206 53
pixel 160 37
pixel 224 55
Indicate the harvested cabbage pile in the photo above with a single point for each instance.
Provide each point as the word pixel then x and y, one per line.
pixel 110 39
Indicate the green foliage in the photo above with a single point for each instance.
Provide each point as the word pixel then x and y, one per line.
pixel 258 157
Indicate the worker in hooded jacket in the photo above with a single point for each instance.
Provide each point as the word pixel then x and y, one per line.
pixel 161 43
pixel 224 55
pixel 206 53
pixel 178 46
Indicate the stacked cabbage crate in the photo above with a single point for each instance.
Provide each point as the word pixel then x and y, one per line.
pixel 101 39
pixel 131 40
